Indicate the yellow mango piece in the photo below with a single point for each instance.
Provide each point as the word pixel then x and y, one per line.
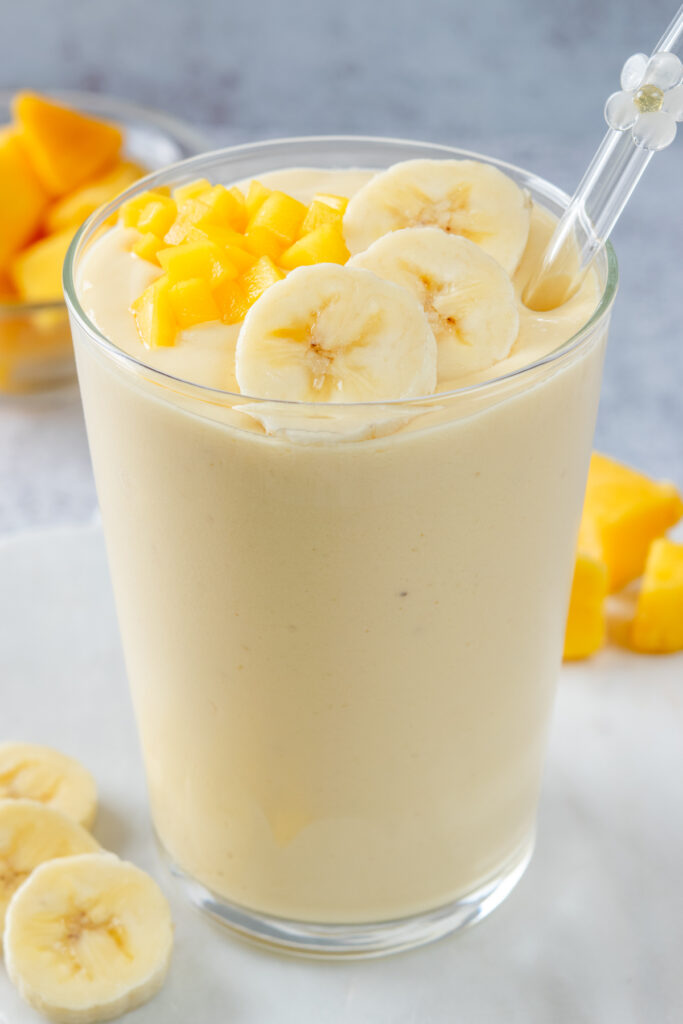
pixel 241 217
pixel 157 216
pixel 75 207
pixel 225 208
pixel 193 190
pixel 255 197
pixel 37 271
pixel 154 316
pixel 195 259
pixel 336 202
pixel 585 632
pixel 281 215
pixel 261 241
pixel 658 624
pixel 232 301
pixel 623 513
pixel 319 214
pixel 23 199
pixel 147 247
pixel 324 245
pixel 259 277
pixel 66 148
pixel 192 302
pixel 132 209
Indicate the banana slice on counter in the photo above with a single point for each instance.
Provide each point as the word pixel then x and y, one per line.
pixel 42 774
pixel 467 296
pixel 330 334
pixel 462 197
pixel 88 938
pixel 31 833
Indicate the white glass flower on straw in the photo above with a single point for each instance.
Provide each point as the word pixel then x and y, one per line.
pixel 651 100
pixel 642 119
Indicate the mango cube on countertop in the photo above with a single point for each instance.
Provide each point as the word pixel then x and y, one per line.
pixel 585 632
pixel 624 512
pixel 658 624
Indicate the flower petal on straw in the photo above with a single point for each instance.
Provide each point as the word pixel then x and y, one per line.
pixel 664 70
pixel 673 102
pixel 654 130
pixel 633 72
pixel 621 111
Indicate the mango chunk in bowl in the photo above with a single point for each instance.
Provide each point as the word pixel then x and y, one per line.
pixel 61 156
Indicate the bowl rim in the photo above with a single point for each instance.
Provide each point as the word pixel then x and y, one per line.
pixel 209 393
pixel 113 108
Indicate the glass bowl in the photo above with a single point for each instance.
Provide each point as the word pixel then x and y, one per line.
pixel 35 341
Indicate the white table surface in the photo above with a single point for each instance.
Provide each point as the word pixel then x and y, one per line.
pixel 592 934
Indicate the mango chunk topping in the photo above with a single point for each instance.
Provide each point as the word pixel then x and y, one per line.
pixel 624 512
pixel 585 633
pixel 657 627
pixel 226 247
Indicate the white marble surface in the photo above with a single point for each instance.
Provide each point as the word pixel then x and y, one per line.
pixel 592 935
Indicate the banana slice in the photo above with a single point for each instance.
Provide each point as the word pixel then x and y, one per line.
pixel 31 833
pixel 39 773
pixel 88 938
pixel 468 298
pixel 330 334
pixel 463 197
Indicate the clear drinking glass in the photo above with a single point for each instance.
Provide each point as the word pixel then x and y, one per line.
pixel 342 637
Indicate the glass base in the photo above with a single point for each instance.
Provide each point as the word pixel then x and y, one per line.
pixel 356 941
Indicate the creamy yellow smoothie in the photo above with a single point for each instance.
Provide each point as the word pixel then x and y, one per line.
pixel 342 633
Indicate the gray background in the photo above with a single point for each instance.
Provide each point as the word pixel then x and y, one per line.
pixel 524 80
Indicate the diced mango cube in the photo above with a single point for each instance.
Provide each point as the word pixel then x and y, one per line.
pixel 623 513
pixel 324 245
pixel 336 202
pixel 192 302
pixel 658 624
pixel 66 147
pixel 241 217
pixel 585 632
pixel 225 207
pixel 147 247
pixel 73 208
pixel 281 215
pixel 132 209
pixel 196 259
pixel 23 199
pixel 193 190
pixel 255 197
pixel 319 214
pixel 157 216
pixel 261 241
pixel 232 301
pixel 262 275
pixel 154 316
pixel 37 270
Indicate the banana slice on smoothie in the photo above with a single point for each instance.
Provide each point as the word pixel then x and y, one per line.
pixel 88 938
pixel 328 333
pixel 31 833
pixel 467 296
pixel 40 773
pixel 462 197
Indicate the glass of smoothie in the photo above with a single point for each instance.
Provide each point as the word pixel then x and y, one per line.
pixel 343 617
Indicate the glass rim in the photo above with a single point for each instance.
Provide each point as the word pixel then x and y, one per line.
pixel 115 109
pixel 93 224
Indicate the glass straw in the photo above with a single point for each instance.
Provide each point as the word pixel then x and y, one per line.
pixel 603 192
